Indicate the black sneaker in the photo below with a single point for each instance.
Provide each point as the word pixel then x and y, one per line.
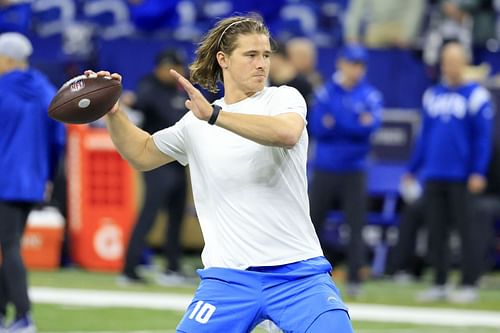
pixel 173 278
pixel 22 325
pixel 125 280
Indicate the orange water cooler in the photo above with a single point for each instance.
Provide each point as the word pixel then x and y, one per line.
pixel 42 239
pixel 101 206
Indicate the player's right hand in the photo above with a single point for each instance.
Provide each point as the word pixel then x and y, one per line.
pixel 409 188
pixel 114 76
pixel 476 183
pixel 408 179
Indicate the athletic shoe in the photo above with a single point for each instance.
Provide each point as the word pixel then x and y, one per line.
pixel 464 295
pixel 3 327
pixel 124 280
pixel 353 289
pixel 22 325
pixel 173 278
pixel 403 278
pixel 433 294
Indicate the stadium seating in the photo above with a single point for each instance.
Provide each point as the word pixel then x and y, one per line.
pixel 84 28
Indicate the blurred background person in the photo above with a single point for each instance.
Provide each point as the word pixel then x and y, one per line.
pixel 384 24
pixel 283 72
pixel 31 144
pixel 411 251
pixel 15 16
pixel 452 153
pixel 408 262
pixel 303 56
pixel 471 22
pixel 487 211
pixel 347 111
pixel 477 15
pixel 162 104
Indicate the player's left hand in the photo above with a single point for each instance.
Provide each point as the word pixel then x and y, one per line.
pixel 476 183
pixel 366 119
pixel 197 103
pixel 48 192
pixel 328 121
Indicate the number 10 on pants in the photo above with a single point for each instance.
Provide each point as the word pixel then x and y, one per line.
pixel 202 312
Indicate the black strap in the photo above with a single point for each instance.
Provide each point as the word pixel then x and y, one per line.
pixel 215 114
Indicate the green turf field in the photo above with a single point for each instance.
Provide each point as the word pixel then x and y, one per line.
pixel 54 318
pixel 64 318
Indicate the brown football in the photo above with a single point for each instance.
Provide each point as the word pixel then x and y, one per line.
pixel 84 99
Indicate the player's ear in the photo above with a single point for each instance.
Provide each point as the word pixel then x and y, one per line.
pixel 222 59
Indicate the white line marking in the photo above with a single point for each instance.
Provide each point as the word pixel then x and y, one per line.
pixel 427 316
pixel 105 298
pixel 418 330
pixel 362 312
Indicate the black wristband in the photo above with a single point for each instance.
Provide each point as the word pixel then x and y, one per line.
pixel 215 114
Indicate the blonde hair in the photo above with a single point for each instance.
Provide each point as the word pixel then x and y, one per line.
pixel 205 70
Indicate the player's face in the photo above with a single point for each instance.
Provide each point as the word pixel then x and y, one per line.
pixel 302 56
pixel 453 63
pixel 163 73
pixel 248 65
pixel 3 64
pixel 353 72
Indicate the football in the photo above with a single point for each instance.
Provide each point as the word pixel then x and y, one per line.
pixel 84 99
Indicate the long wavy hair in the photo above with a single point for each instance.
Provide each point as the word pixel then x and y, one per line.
pixel 205 70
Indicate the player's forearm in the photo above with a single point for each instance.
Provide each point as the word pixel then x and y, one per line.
pixel 281 131
pixel 130 140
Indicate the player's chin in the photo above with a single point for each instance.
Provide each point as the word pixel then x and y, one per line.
pixel 259 83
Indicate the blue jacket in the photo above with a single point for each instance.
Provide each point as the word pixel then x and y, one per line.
pixel 455 138
pixel 30 142
pixel 345 145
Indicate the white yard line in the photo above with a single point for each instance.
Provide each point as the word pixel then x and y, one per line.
pixel 427 316
pixel 104 298
pixel 362 312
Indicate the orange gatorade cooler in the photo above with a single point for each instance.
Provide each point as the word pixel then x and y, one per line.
pixel 101 205
pixel 42 239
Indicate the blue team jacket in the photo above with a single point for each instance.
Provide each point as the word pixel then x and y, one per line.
pixel 455 138
pixel 30 142
pixel 345 146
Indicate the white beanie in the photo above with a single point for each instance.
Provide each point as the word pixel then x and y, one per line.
pixel 15 45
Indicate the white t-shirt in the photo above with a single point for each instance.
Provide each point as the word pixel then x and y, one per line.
pixel 251 200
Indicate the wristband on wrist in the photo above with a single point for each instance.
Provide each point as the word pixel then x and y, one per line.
pixel 215 114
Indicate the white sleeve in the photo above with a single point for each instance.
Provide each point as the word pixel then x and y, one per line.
pixel 172 140
pixel 427 97
pixel 288 99
pixel 479 97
